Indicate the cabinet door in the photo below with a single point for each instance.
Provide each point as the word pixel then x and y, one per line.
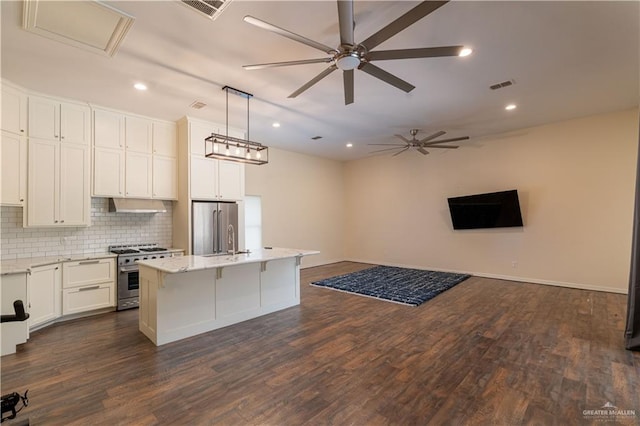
pixel 164 139
pixel 230 180
pixel 137 175
pixel 165 178
pixel 43 183
pixel 14 110
pixel 14 169
pixel 44 118
pixel 75 123
pixel 74 202
pixel 204 178
pixel 108 172
pixel 108 129
pixel 197 134
pixel 13 287
pixel 44 293
pixel 137 134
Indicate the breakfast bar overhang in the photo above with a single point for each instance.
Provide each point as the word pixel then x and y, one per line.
pixel 185 296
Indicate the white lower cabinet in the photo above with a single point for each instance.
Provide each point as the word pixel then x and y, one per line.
pixel 88 285
pixel 43 293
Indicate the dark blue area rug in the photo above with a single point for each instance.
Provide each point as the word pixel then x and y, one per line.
pixel 401 285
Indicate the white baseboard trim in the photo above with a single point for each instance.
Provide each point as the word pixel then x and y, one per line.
pixel 579 286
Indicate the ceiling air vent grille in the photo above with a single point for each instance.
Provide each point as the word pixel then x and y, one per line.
pixel 198 105
pixel 209 8
pixel 315 138
pixel 501 85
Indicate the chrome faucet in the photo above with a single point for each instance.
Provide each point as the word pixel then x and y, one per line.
pixel 231 239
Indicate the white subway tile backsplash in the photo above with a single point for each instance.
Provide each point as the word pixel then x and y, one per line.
pixel 106 229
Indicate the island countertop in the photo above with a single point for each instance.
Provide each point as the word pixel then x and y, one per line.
pixel 174 265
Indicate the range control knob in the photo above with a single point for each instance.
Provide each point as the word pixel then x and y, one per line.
pixel 135 260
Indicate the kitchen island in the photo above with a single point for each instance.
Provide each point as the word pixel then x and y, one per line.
pixel 185 296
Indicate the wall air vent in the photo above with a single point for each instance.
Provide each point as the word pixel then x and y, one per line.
pixel 209 8
pixel 315 138
pixel 198 105
pixel 506 83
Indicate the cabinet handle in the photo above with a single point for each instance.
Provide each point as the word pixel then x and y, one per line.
pixel 21 130
pixel 21 199
pixel 62 221
pixel 57 267
pixel 55 136
pixel 55 221
pixel 88 262
pixel 93 287
pixel 61 137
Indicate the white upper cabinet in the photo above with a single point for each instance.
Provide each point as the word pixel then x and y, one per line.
pixel 137 134
pixel 124 156
pixel 14 110
pixel 211 179
pixel 52 119
pixel 58 184
pixel 13 174
pixel 138 175
pixel 164 139
pixel 108 129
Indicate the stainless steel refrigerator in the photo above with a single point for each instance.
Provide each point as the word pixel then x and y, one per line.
pixel 210 223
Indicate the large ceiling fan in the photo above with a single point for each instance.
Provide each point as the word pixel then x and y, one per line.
pixel 350 55
pixel 419 145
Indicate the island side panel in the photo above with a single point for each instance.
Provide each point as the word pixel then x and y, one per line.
pixel 280 284
pixel 186 305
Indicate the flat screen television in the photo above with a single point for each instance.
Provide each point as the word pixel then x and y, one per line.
pixel 491 210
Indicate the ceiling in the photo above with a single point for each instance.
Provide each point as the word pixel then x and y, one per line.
pixel 568 59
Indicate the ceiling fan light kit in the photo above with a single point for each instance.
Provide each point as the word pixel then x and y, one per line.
pixel 229 148
pixel 351 55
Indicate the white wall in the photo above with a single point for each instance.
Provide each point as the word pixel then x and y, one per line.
pixel 576 183
pixel 302 203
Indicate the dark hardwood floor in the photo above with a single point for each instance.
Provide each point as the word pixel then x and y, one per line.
pixel 487 352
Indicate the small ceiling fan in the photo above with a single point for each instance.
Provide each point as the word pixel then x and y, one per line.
pixel 421 144
pixel 350 55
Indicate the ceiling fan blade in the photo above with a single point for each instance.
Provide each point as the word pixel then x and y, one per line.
pixel 314 80
pixel 401 151
pixel 425 52
pixel 286 64
pixel 386 77
pixel 463 138
pixel 386 149
pixel 387 144
pixel 405 140
pixel 443 146
pixel 423 151
pixel 288 34
pixel 345 19
pixel 433 136
pixel 347 77
pixel 409 18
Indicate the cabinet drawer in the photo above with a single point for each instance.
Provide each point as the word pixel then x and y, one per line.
pixel 75 274
pixel 87 298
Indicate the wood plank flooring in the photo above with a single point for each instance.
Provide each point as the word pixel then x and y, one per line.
pixel 487 352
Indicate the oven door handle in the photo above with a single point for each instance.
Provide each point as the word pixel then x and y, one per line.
pixel 131 269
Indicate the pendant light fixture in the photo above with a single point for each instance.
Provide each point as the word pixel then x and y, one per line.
pixel 225 147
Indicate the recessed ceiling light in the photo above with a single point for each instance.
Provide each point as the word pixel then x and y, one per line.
pixel 276 124
pixel 465 52
pixel 349 145
pixel 510 107
pixel 140 86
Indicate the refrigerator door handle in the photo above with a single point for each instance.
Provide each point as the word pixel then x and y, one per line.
pixel 219 231
pixel 214 234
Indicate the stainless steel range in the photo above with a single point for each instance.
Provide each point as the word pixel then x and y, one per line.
pixel 128 278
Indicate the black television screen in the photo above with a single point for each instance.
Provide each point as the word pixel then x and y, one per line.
pixel 491 210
